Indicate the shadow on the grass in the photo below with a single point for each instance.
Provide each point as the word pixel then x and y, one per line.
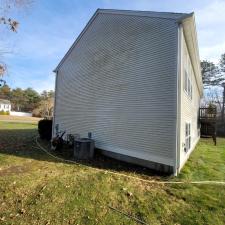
pixel 21 143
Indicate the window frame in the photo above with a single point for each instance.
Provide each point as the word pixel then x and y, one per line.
pixel 185 81
pixel 188 87
pixel 188 140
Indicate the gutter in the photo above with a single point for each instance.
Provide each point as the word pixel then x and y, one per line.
pixel 180 20
pixel 178 111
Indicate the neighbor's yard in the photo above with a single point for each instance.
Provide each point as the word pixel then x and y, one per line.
pixel 25 119
pixel 37 189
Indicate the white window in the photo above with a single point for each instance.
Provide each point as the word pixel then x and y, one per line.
pixel 187 136
pixel 186 81
pixel 187 84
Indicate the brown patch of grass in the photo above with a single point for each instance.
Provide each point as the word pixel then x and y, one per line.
pixel 15 170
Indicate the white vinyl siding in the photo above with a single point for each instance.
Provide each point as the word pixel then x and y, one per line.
pixel 119 82
pixel 189 108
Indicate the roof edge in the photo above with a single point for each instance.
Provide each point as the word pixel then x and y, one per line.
pixel 77 39
pixel 189 15
pixel 155 14
pixel 193 48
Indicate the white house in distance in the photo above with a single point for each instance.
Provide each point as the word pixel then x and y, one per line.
pixel 5 105
pixel 133 79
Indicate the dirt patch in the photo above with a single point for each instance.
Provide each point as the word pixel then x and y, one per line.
pixel 14 170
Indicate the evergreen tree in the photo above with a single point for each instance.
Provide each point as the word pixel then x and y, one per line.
pixel 211 74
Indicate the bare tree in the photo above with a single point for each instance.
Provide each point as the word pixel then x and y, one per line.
pixel 213 76
pixel 45 108
pixel 7 9
pixel 3 69
pixel 213 95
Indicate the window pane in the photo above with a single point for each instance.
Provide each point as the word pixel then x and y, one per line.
pixel 186 130
pixel 185 81
pixel 187 136
pixel 189 86
pixel 186 144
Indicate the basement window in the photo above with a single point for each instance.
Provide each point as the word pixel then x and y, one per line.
pixel 187 137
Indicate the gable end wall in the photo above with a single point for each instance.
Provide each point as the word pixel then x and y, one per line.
pixel 119 82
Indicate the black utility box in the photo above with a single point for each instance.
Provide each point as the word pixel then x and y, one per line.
pixel 84 148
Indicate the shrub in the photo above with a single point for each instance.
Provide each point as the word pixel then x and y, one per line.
pixel 2 112
pixel 45 129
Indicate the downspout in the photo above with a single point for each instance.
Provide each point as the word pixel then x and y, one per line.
pixel 178 106
pixel 53 122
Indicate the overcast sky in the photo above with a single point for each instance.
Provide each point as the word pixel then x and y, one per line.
pixel 48 28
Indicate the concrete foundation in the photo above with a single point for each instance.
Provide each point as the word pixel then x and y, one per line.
pixel 151 165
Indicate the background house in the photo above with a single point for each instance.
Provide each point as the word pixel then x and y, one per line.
pixel 5 105
pixel 133 79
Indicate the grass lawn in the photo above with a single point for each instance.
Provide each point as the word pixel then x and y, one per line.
pixel 25 119
pixel 37 189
